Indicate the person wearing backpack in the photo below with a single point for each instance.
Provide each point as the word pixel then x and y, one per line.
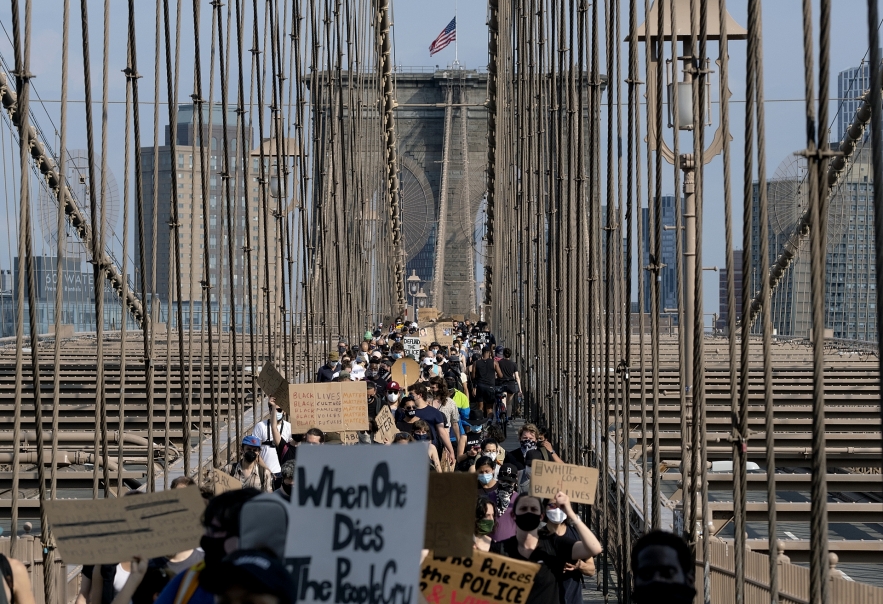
pixel 249 469
pixel 16 583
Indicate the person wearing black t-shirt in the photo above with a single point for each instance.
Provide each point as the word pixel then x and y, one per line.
pixel 555 553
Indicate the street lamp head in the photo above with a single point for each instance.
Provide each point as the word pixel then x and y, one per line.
pixel 413 282
pixel 682 19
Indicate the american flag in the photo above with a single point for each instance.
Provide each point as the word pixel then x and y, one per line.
pixel 448 35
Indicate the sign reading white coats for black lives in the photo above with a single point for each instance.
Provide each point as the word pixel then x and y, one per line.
pixel 355 529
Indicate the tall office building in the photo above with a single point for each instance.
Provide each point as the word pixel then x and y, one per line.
pixel 724 312
pixel 668 277
pixel 850 292
pixel 248 223
pixel 851 85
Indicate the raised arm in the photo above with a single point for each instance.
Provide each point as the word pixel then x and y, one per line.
pixel 588 546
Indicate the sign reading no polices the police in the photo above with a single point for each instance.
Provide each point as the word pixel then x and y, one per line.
pixel 484 578
pixel 356 524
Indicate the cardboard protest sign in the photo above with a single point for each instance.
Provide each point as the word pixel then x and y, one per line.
pixel 105 531
pixel 424 315
pixel 356 523
pixel 480 579
pixel 331 407
pixel 386 425
pixel 405 372
pixel 450 513
pixel 221 482
pixel 412 347
pixel 349 438
pixel 578 482
pixel 274 384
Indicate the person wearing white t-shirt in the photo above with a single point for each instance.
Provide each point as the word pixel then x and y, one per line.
pixel 264 431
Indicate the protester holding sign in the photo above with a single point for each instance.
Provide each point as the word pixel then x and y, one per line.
pixel 270 433
pixel 221 522
pixel 555 553
pixel 249 470
pixel 572 584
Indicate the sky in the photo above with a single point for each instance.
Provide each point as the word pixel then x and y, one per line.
pixel 415 24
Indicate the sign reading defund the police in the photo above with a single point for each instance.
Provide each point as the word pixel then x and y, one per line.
pixel 356 524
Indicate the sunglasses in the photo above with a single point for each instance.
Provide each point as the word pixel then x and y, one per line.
pixel 409 408
pixel 402 435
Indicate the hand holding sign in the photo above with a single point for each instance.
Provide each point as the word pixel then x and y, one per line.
pixel 578 482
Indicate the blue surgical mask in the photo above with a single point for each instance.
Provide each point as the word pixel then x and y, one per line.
pixel 396 355
pixel 485 478
pixel 278 416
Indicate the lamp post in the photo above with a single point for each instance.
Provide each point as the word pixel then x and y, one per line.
pixel 419 301
pixel 680 105
pixel 681 117
pixel 413 286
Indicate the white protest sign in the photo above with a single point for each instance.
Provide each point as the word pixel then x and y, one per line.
pixel 412 347
pixel 356 523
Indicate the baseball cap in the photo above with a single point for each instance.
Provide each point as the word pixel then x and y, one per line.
pixel 508 473
pixel 253 569
pixel 333 356
pixel 251 441
pixel 367 335
pixel 393 386
pixel 428 361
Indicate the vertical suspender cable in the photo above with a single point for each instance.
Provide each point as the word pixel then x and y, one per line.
pixel 22 42
pixel 816 155
pixel 174 224
pixel 755 31
pixel 492 71
pixel 62 201
pixel 105 82
pixel 93 211
pixel 874 99
pixel 132 75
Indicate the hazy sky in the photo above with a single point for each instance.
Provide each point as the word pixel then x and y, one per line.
pixel 416 24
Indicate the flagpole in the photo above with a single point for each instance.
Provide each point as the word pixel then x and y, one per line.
pixel 456 49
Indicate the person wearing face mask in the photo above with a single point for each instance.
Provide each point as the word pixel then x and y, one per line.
pixel 440 428
pixel 554 552
pixel 288 468
pixel 421 434
pixel 221 522
pixel 271 433
pixel 489 450
pixel 487 484
pixel 406 416
pixel 248 469
pixel 393 396
pixel 663 568
pixel 571 586
pixel 327 371
pixel 527 438
pixel 484 524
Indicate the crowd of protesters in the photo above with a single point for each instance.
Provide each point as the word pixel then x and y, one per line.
pixel 448 408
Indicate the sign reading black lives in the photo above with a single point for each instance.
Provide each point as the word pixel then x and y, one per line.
pixel 356 524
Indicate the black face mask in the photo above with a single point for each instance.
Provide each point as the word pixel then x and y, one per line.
pixel 249 456
pixel 661 591
pixel 213 548
pixel 528 521
pixel 411 412
pixel 286 488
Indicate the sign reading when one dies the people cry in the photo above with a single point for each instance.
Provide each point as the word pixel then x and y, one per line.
pixel 481 579
pixel 577 482
pixel 356 524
